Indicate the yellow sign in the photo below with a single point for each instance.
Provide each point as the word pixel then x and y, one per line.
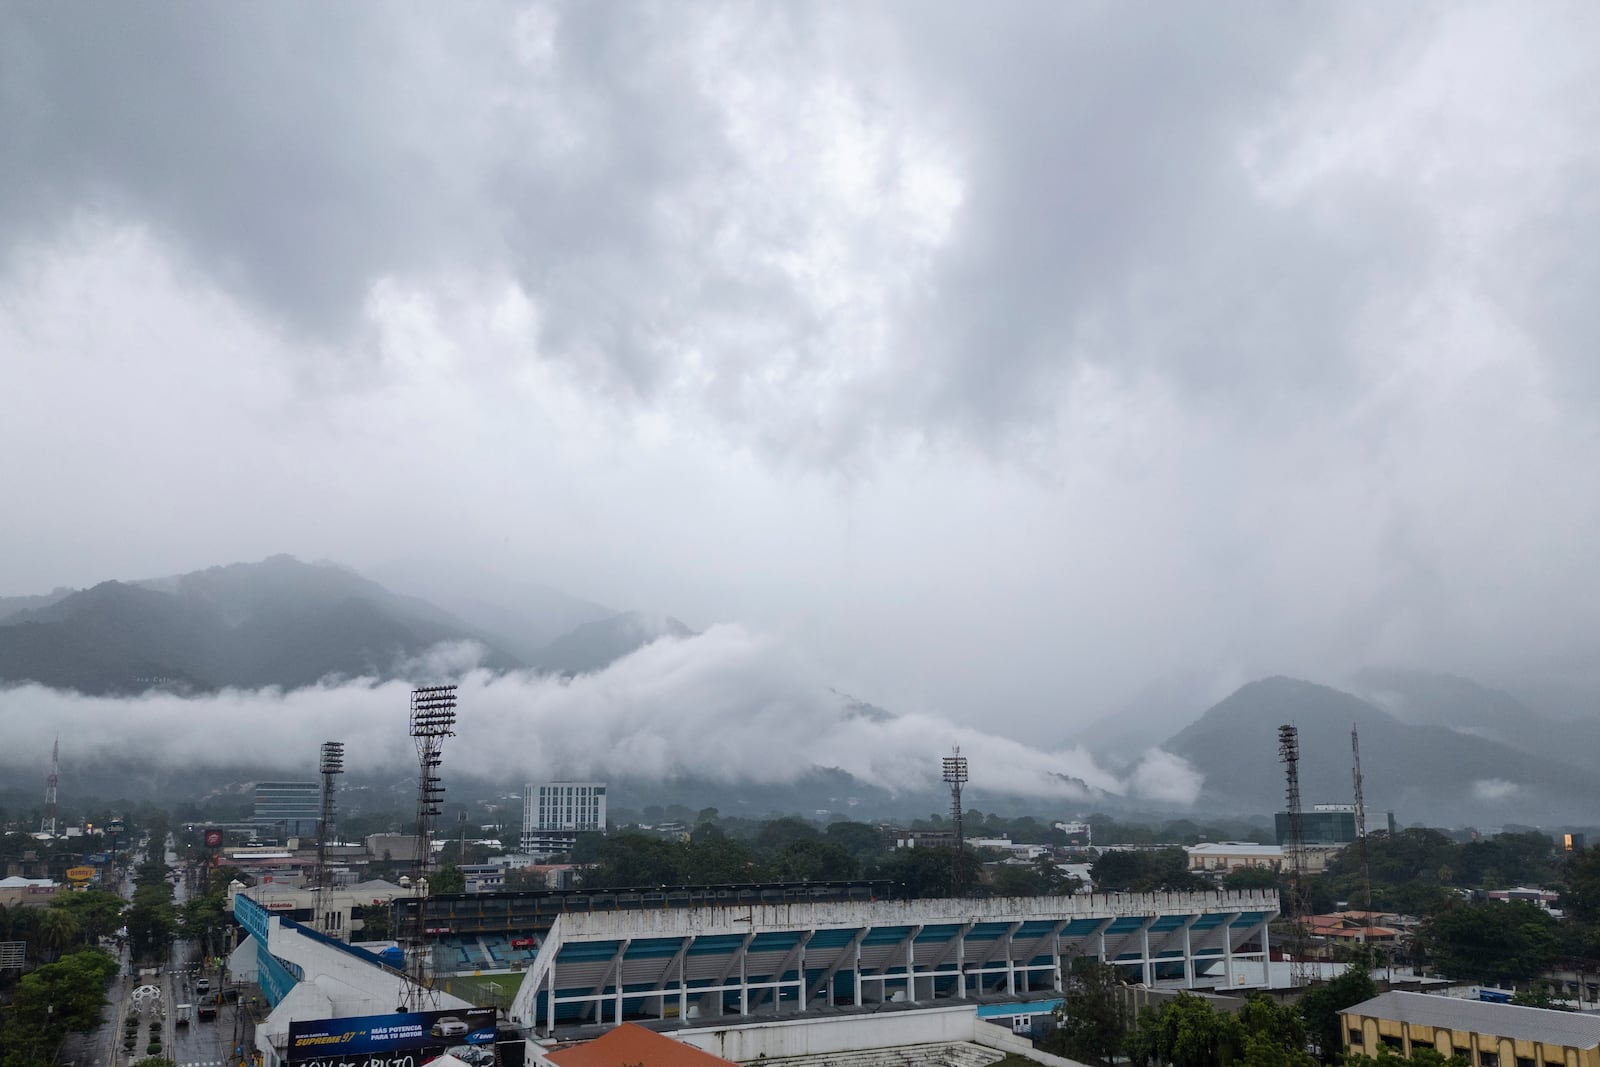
pixel 80 874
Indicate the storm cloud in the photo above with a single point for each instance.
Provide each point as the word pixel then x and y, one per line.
pixel 1000 360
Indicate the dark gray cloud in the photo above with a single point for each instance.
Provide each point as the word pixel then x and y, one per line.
pixel 943 340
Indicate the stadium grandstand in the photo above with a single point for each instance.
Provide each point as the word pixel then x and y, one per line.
pixel 604 965
pixel 472 933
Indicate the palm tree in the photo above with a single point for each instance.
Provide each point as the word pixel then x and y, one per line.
pixel 57 929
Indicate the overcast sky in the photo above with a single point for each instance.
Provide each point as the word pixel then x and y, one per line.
pixel 1003 359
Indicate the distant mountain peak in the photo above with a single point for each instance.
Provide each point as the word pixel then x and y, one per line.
pixel 1424 771
pixel 277 622
pixel 594 646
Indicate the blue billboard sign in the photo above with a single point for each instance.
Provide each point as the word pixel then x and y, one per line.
pixel 376 1035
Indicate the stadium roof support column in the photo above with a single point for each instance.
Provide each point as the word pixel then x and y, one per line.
pixel 851 950
pixel 1147 968
pixel 994 947
pixel 680 960
pixel 1188 951
pixel 775 992
pixel 550 1001
pixel 911 965
pixel 1227 947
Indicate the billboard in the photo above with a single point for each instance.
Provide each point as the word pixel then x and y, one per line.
pixel 401 1039
pixel 213 838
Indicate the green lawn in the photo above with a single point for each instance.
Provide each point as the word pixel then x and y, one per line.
pixel 485 990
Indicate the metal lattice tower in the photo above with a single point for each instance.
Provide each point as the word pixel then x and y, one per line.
pixel 48 823
pixel 331 767
pixel 433 718
pixel 1289 755
pixel 1361 834
pixel 955 775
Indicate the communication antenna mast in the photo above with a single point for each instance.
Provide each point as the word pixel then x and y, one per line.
pixel 331 767
pixel 1289 755
pixel 1361 835
pixel 955 774
pixel 433 718
pixel 48 824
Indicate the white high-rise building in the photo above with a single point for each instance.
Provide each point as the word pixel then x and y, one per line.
pixel 555 813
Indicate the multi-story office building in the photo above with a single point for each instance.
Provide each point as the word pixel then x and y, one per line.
pixel 1332 824
pixel 290 807
pixel 555 813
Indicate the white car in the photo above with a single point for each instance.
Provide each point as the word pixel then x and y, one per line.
pixel 449 1026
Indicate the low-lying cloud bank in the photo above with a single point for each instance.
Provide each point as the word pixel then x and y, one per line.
pixel 726 705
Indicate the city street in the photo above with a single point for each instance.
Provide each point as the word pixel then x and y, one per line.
pixel 215 1042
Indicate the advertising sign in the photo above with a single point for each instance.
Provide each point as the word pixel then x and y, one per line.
pixel 403 1039
pixel 213 838
pixel 80 874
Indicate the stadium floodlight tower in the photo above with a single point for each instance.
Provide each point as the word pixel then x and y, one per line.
pixel 331 767
pixel 955 775
pixel 433 718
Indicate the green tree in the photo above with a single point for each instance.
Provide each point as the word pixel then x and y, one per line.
pixel 204 919
pixel 152 921
pixel 57 928
pixel 814 861
pixel 1091 1022
pixel 1250 878
pixel 56 1000
pixel 1580 896
pixel 860 839
pixel 1538 996
pixel 1491 941
pixel 97 912
pixel 1420 1057
pixel 1123 871
pixel 375 921
pixel 929 872
pixel 1321 1004
pixel 447 879
pixel 1186 1031
pixel 778 834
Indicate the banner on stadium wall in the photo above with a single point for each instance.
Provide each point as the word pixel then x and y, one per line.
pixel 401 1039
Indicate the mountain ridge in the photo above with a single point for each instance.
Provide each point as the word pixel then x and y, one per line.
pixel 1422 771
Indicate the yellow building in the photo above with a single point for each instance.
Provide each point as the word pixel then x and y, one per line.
pixel 1485 1035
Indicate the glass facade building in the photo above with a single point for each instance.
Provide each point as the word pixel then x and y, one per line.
pixel 292 807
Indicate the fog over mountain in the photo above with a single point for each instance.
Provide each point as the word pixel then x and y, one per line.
pixel 1044 372
pixel 725 706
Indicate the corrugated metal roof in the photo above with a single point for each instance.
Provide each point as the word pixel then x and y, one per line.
pixel 1498 1020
